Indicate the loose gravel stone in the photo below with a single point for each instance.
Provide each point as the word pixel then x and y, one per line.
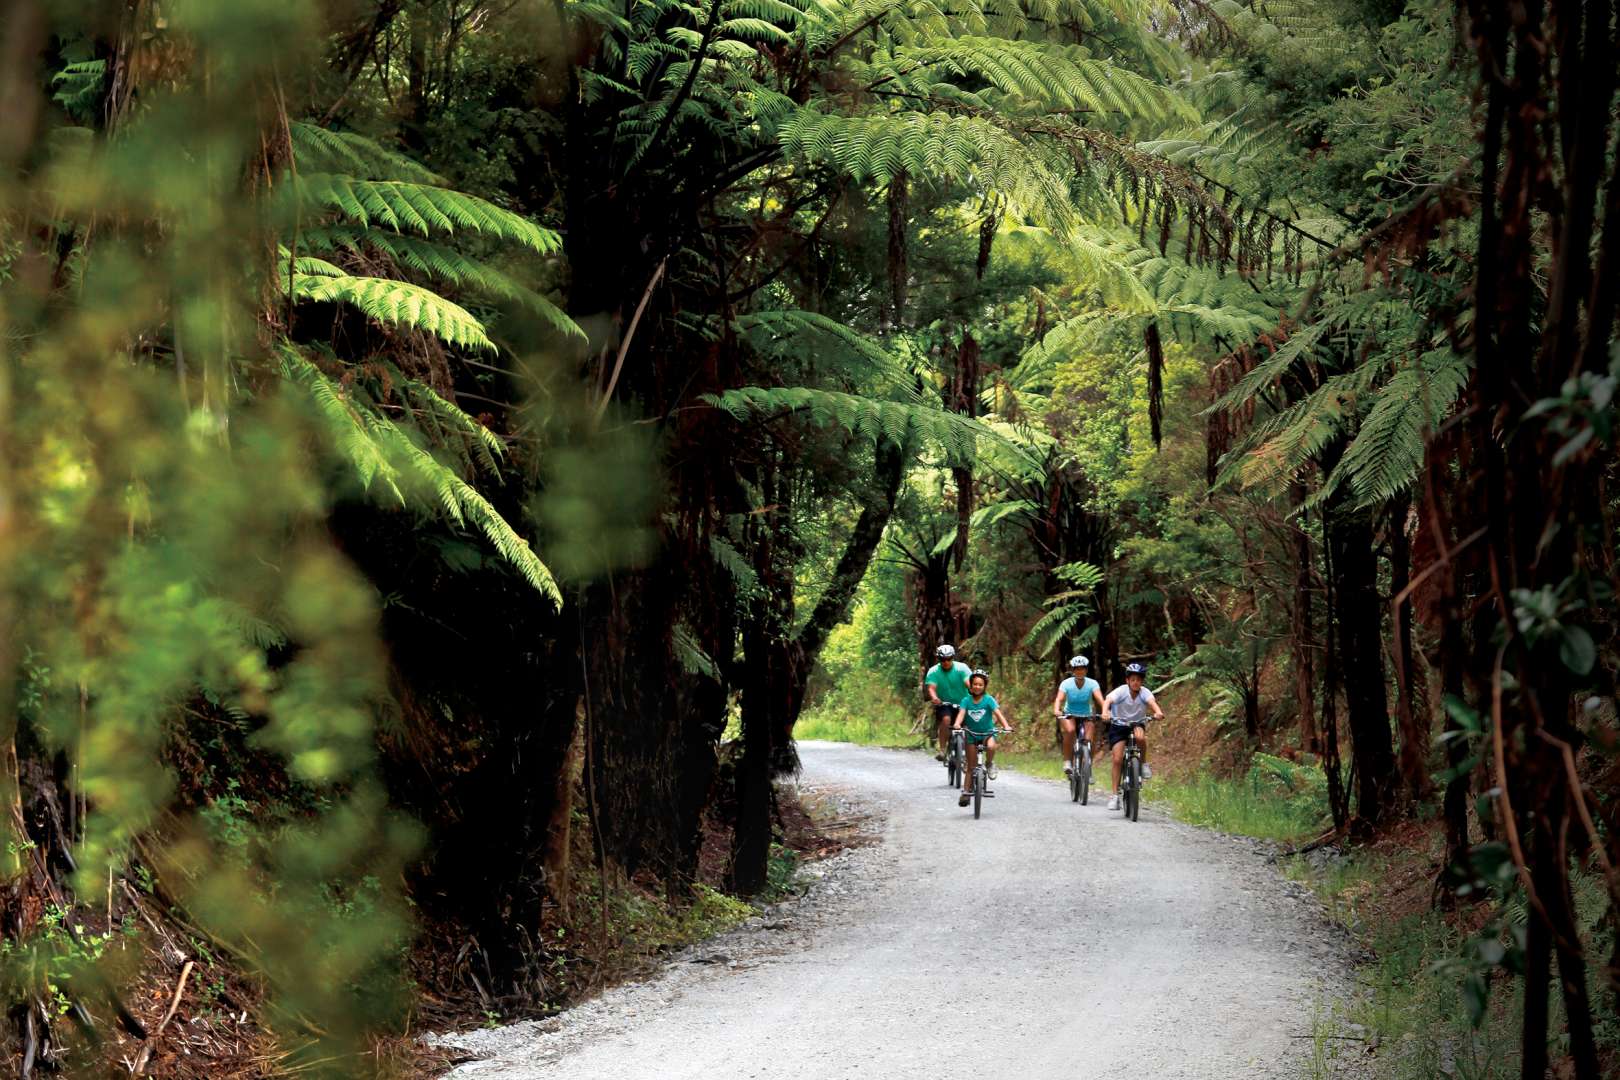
pixel 1045 939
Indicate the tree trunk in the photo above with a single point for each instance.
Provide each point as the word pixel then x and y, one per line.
pixel 1303 627
pixel 934 612
pixel 964 400
pixel 1338 798
pixel 899 272
pixel 1359 613
pixel 557 841
pixel 779 666
pixel 1414 723
pixel 416 77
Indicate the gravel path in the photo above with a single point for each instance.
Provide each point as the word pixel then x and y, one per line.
pixel 1193 957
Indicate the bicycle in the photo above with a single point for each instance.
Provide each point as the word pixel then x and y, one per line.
pixel 1130 781
pixel 981 775
pixel 1080 764
pixel 955 757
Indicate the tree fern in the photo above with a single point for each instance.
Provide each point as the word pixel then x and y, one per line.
pixel 380 451
pixel 1067 608
pixel 875 149
pixel 863 417
pixel 320 149
pixel 789 332
pixel 420 208
pixel 1029 75
pixel 399 304
pixel 442 262
pixel 1386 456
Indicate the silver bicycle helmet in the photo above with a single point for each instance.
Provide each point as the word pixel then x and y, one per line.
pixel 945 652
pixel 1134 668
pixel 1079 661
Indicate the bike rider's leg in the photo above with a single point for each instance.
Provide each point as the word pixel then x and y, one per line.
pixel 1141 744
pixel 1068 741
pixel 1119 763
pixel 990 756
pixel 967 774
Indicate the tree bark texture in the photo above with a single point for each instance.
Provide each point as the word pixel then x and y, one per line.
pixel 1359 611
pixel 1414 720
pixel 1303 626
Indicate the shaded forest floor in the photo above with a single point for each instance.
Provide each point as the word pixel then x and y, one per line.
pixel 596 946
pixel 203 1018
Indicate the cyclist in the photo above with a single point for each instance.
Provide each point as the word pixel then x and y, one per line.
pixel 1075 697
pixel 946 684
pixel 979 716
pixel 1128 707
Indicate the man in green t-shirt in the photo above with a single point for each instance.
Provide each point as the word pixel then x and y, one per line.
pixel 945 684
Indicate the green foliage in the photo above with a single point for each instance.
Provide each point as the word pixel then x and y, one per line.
pixel 865 418
pixel 1268 802
pixel 1066 609
pixel 383 452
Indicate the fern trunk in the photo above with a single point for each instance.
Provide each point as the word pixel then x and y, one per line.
pixel 1359 613
pixel 1414 756
pixel 1303 627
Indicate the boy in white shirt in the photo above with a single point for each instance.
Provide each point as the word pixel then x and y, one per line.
pixel 1128 707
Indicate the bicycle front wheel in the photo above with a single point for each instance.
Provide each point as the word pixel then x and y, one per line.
pixel 1133 790
pixel 978 792
pixel 1076 783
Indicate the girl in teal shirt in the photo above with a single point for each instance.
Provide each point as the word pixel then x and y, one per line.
pixel 979 716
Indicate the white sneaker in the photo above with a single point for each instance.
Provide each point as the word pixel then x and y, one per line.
pixel 1113 802
pixel 1147 771
pixel 992 772
pixel 1068 769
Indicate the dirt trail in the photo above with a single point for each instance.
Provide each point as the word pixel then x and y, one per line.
pixel 1046 939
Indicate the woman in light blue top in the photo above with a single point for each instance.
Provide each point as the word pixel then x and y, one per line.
pixel 1075 697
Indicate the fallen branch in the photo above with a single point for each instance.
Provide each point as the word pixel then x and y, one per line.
pixel 145 1056
pixel 1320 842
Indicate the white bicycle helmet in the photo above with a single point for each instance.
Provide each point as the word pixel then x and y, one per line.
pixel 945 652
pixel 1079 661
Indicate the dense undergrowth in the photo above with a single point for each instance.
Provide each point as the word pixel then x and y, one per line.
pixel 1426 1003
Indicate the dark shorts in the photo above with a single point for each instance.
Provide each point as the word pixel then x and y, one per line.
pixel 1117 732
pixel 942 711
pixel 977 740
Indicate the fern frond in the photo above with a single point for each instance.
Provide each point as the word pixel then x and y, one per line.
pixel 318 149
pixel 1298 347
pixel 378 448
pixel 1052 628
pixel 790 331
pixel 400 304
pixel 444 263
pixel 962 149
pixel 690 655
pixel 344 422
pixel 487 446
pixel 1386 456
pixel 862 417
pixel 420 208
pixel 728 557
